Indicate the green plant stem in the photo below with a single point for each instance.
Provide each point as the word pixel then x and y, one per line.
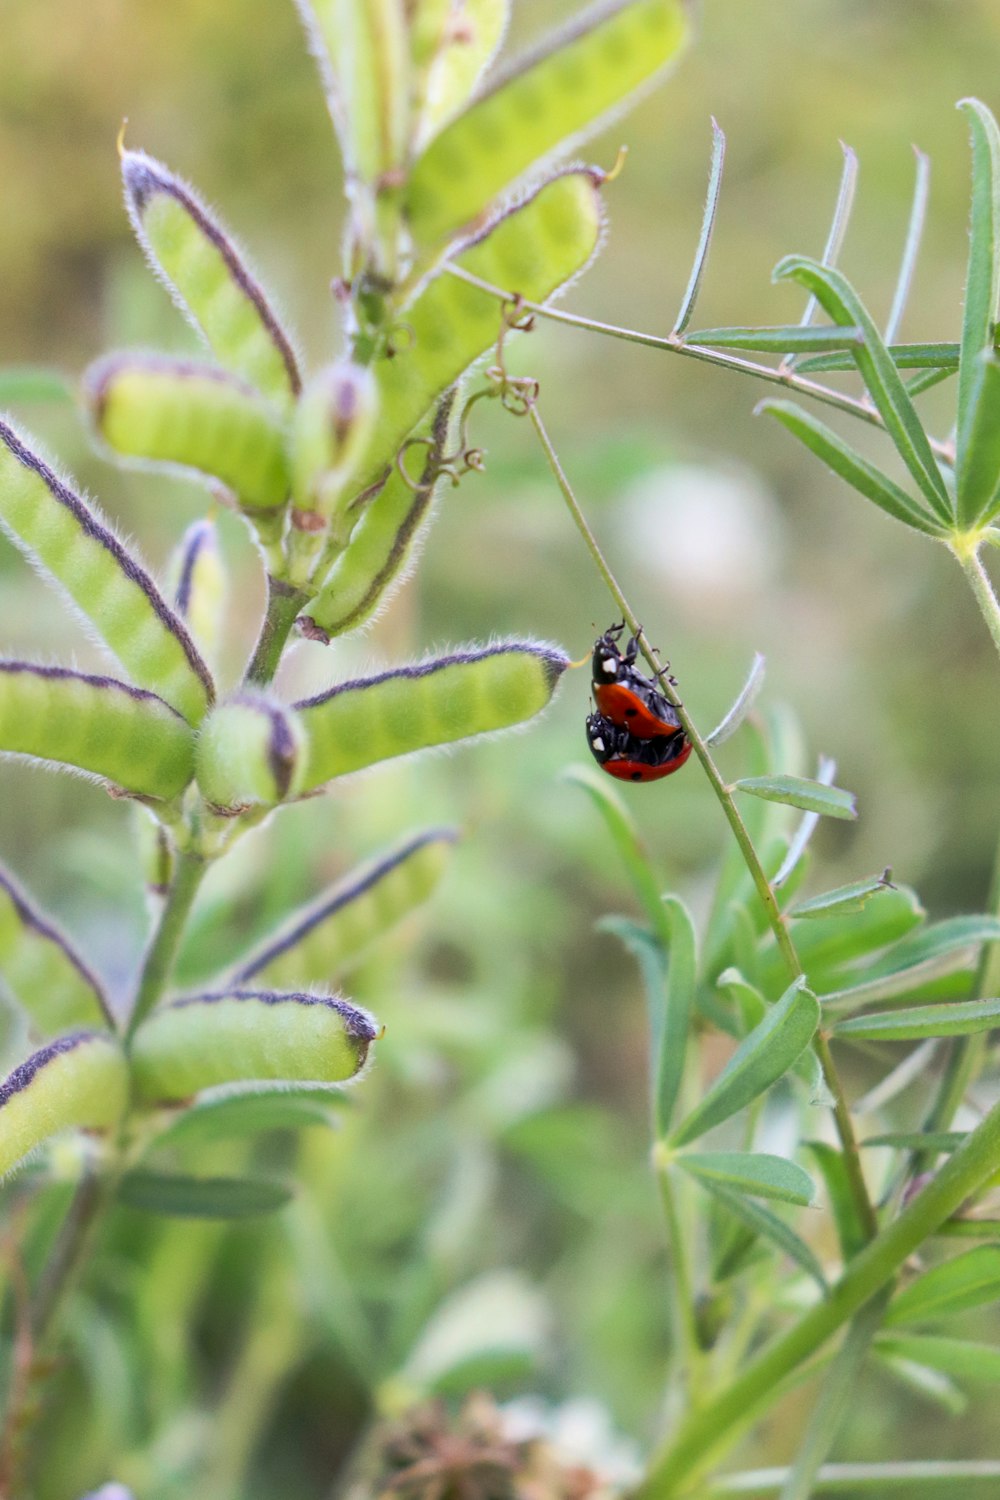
pixel 682 1287
pixel 701 1437
pixel 867 1479
pixel 674 343
pixel 158 963
pixel 70 1252
pixel 775 919
pixel 284 603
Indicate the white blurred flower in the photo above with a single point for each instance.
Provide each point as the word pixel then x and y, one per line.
pixel 579 1431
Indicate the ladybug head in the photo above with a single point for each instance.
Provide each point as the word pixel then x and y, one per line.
pixel 607 658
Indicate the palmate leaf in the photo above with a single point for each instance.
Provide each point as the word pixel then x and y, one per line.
pixel 879 372
pixel 766 1055
pixel 846 462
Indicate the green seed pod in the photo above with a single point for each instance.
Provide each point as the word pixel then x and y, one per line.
pixel 251 752
pixel 72 545
pixel 320 943
pixel 156 855
pixel 362 48
pixel 432 703
pixel 77 1082
pixel 332 427
pixel 534 249
pixel 121 734
pixel 382 548
pixel 454 42
pixel 247 1035
pixel 547 102
pixel 42 970
pixel 197 583
pixel 193 417
pixel 208 277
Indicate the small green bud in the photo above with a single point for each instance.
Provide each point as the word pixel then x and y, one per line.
pixel 250 752
pixel 333 424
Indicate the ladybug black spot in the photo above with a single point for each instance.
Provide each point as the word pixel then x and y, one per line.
pixel 636 775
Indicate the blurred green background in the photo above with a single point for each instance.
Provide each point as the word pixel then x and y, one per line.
pixel 509 1089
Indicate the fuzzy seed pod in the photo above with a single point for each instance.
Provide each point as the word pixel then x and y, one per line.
pixel 198 583
pixel 332 427
pixel 42 969
pixel 77 1082
pixel 251 752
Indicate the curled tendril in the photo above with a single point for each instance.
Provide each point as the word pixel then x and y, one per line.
pixel 453 465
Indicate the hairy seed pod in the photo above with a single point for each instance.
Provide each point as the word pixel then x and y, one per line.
pixel 128 737
pixel 73 546
pixel 244 1036
pixel 192 417
pixel 251 752
pixel 208 277
pixel 434 702
pixel 331 429
pixel 453 43
pixel 318 944
pixel 382 548
pixel 534 249
pixel 42 970
pixel 77 1082
pixel 362 50
pixel 197 582
pixel 545 103
pixel 155 850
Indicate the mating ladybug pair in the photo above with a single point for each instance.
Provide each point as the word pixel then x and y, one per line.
pixel 635 735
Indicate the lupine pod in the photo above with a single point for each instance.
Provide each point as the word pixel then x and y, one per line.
pixel 192 417
pixel 77 1082
pixel 434 702
pixel 57 530
pixel 243 1035
pixel 332 427
pixel 42 970
pixel 534 249
pixel 319 943
pixel 197 583
pixel 251 751
pixel 122 734
pixel 362 48
pixel 544 103
pixel 452 49
pixel 208 277
pixel 382 548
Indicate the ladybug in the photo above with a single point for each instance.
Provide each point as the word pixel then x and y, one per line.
pixel 627 758
pixel 623 695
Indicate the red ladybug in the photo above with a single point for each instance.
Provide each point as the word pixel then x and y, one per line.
pixel 624 695
pixel 627 758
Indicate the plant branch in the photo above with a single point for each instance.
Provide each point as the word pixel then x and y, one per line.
pixel 284 602
pixel 700 1438
pixel 158 963
pixel 867 1479
pixel 856 406
pixel 775 919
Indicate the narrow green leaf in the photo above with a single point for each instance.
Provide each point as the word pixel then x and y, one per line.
pixel 752 1172
pixel 832 949
pixel 975 386
pixel 728 726
pixel 707 224
pixel 753 1009
pixel 762 1058
pixel 799 791
pixel 932 951
pixel 780 339
pixel 970 1228
pixel 925 1382
pixel 883 380
pixel 21 384
pixel 625 837
pixel 960 1357
pixel 251 1110
pixel 931 1141
pixel 844 899
pixel 850 466
pixel 765 1223
pixel 962 1476
pixel 911 247
pixel 970 1280
pixel 838 230
pixel 926 380
pixel 799 842
pixel 202 1197
pixel 961 1018
pixel 852 1234
pixel 500 1321
pixel 978 468
pixel 939 356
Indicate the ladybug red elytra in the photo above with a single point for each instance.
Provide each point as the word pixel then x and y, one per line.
pixel 622 755
pixel 626 697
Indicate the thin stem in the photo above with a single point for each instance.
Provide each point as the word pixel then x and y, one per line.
pixel 682 1287
pixel 704 1434
pixel 866 1479
pixel 284 603
pixel 857 406
pixel 982 589
pixel 162 951
pixel 775 919
pixel 69 1253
